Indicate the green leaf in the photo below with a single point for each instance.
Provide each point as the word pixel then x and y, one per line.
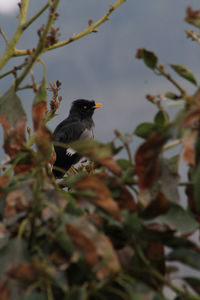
pixel 177 219
pixel 115 149
pixel 161 118
pixel 143 130
pixel 149 58
pixel 131 222
pixel 172 96
pixel 173 163
pixel 32 296
pixel 11 109
pixel 65 242
pixel 169 181
pixel 194 283
pixel 77 293
pixel 41 95
pixel 184 72
pixel 187 256
pixel 123 163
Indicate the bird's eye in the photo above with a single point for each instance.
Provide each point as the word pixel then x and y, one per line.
pixel 85 107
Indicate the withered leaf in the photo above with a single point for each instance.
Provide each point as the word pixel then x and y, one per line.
pixel 125 255
pixel 147 160
pixel 98 153
pixel 102 194
pixel 3 184
pixel 192 117
pixel 17 200
pixel 97 248
pixel 124 198
pixel 4 292
pixel 42 134
pixel 23 272
pixel 188 142
pixel 13 120
pixel 11 110
pixel 155 252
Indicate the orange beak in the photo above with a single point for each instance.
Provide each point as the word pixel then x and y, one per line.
pixel 98 105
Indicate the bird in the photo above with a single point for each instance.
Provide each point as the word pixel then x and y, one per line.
pixel 77 126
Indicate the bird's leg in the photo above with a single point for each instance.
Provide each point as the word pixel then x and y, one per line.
pixel 73 170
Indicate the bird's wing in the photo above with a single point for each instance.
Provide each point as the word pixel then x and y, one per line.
pixel 67 132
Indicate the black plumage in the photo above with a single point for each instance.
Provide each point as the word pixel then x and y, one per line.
pixel 78 125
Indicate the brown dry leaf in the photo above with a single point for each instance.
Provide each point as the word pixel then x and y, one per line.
pixel 23 272
pixel 15 137
pixel 188 142
pixel 125 199
pixel 97 248
pixel 3 184
pixel 192 117
pixel 111 165
pixel 158 205
pixel 98 153
pixel 4 292
pixel 42 133
pixel 17 201
pixel 38 113
pixel 102 196
pixel 125 255
pixel 155 253
pixel 147 160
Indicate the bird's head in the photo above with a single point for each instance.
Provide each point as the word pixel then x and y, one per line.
pixel 84 108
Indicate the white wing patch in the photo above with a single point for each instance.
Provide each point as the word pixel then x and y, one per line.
pixel 87 134
pixel 70 151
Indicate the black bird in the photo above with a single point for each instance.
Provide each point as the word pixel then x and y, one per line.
pixel 78 125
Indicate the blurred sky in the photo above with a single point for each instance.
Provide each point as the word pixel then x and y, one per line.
pixel 102 66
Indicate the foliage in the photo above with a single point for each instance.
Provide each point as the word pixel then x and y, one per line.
pixel 103 232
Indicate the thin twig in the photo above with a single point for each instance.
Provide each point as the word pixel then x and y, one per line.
pixel 10 49
pixel 172 144
pixel 40 47
pixel 13 71
pixel 162 72
pixel 91 28
pixel 29 22
pixel 160 277
pixel 4 36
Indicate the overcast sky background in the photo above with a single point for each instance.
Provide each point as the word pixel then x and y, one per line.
pixel 102 66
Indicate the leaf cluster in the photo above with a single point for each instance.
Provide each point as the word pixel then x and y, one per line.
pixel 101 233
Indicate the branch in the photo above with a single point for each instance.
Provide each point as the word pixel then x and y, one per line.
pixel 91 28
pixel 9 51
pixel 40 47
pixel 161 71
pixel 4 36
pixel 13 71
pixel 29 22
